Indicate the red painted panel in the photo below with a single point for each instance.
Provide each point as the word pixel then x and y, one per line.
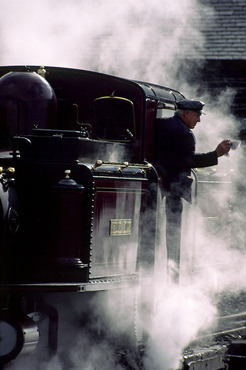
pixel 115 237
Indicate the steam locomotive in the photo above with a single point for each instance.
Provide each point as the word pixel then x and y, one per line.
pixel 78 207
pixel 78 194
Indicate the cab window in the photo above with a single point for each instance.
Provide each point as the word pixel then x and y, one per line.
pixel 113 119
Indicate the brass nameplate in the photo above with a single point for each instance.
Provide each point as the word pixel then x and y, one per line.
pixel 120 227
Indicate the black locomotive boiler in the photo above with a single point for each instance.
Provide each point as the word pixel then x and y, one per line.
pixel 78 195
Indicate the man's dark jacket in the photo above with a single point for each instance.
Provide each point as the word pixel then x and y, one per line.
pixel 175 154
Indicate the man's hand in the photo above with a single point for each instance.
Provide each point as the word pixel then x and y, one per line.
pixel 223 147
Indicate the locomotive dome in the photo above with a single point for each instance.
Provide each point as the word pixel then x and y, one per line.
pixel 25 86
pixel 26 100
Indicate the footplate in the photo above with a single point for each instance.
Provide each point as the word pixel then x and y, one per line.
pixel 211 358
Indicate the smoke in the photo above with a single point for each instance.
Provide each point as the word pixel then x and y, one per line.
pixel 93 332
pixel 145 40
pixel 141 40
pixel 177 318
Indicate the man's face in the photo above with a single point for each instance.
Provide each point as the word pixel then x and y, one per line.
pixel 191 118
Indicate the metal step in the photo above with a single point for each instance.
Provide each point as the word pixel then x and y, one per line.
pixel 210 358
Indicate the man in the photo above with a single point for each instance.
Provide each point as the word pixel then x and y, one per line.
pixel 175 157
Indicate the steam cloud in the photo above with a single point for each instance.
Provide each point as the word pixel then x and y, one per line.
pixel 134 40
pixel 144 40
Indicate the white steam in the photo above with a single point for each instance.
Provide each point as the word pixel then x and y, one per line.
pixel 141 40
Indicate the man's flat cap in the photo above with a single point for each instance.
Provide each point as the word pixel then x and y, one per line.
pixel 187 104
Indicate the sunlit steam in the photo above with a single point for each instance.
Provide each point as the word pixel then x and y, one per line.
pixel 140 40
pixel 144 40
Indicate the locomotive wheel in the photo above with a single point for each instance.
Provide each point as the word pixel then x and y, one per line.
pixel 17 337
